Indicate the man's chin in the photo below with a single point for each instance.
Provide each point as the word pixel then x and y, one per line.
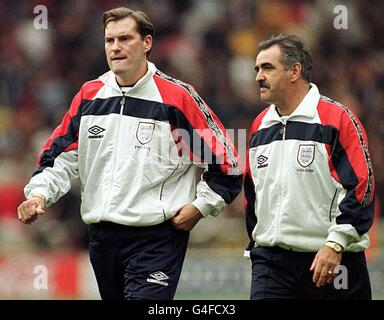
pixel 117 71
pixel 264 98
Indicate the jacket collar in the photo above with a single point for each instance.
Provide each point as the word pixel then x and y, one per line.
pixel 306 108
pixel 109 78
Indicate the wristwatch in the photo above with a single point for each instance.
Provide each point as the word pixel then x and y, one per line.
pixel 335 246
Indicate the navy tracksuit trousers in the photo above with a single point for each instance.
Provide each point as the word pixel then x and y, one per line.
pixel 283 274
pixel 137 262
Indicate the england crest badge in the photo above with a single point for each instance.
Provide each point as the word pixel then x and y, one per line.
pixel 144 132
pixel 306 154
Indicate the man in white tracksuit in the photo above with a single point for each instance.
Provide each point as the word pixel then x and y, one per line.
pixel 135 137
pixel 309 185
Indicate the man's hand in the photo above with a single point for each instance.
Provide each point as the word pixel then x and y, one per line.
pixel 186 218
pixel 324 264
pixel 30 209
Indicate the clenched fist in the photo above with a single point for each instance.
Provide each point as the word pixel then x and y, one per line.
pixel 30 209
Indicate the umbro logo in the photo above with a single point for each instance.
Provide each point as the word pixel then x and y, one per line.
pixel 95 132
pixel 158 277
pixel 261 161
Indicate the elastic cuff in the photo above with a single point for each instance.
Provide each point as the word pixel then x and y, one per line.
pixel 37 195
pixel 39 192
pixel 203 207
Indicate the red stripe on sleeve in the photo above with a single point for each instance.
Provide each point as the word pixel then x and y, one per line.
pixel 176 95
pixel 87 92
pixel 352 138
pixel 257 122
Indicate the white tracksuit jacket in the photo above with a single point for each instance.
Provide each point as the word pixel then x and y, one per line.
pixel 127 151
pixel 309 180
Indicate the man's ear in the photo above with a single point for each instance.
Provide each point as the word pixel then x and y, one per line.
pixel 295 71
pixel 147 43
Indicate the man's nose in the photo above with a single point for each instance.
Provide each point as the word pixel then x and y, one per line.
pixel 260 76
pixel 116 45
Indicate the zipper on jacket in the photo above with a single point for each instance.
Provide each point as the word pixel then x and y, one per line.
pixel 282 132
pixel 122 104
pixel 330 209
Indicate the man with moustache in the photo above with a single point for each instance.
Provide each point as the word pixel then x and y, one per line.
pixel 309 185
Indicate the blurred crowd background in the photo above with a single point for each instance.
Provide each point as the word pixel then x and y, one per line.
pixel 208 43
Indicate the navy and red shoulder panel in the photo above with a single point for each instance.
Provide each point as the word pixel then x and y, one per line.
pixel 192 113
pixel 350 164
pixel 65 136
pixel 187 110
pixel 350 161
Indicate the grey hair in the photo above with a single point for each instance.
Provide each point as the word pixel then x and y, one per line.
pixel 293 51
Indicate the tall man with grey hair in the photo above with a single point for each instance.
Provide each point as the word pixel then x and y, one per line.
pixel 121 137
pixel 309 185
